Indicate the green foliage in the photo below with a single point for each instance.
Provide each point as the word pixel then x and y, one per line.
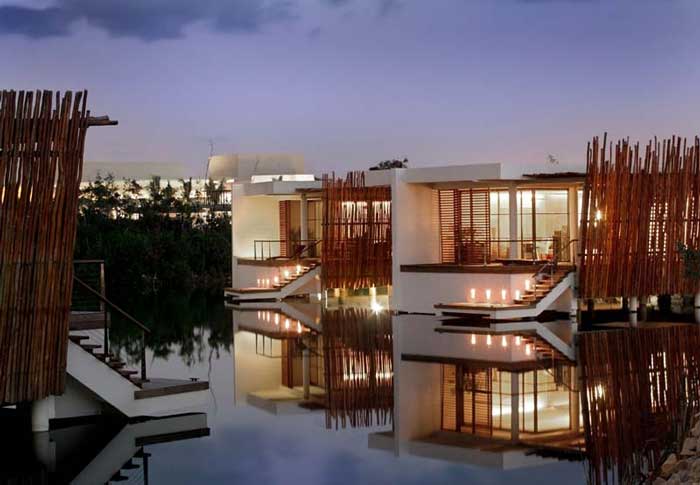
pixel 389 164
pixel 166 241
pixel 691 261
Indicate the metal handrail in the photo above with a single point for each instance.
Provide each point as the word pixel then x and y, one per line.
pixel 262 242
pixel 144 330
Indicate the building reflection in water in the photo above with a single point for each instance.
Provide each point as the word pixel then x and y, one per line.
pixel 102 450
pixel 488 395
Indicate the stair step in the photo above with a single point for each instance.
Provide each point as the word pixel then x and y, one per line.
pixel 118 477
pixel 130 465
pixel 78 338
pixel 117 364
pixel 103 356
pixel 141 454
pixel 91 347
pixel 137 381
pixel 128 372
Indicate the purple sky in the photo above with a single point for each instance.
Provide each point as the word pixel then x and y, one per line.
pixel 351 82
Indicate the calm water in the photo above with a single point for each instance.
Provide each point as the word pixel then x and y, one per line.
pixel 193 337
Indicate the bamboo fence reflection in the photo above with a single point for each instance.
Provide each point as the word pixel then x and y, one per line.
pixel 637 207
pixel 358 367
pixel 638 385
pixel 356 233
pixel 41 155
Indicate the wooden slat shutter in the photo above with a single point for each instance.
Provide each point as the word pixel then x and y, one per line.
pixel 465 225
pixel 285 211
pixel 449 398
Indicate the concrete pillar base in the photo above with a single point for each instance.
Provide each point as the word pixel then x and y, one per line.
pixel 43 411
pixel 633 308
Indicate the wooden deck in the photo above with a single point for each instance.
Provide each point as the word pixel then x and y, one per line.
pixel 165 387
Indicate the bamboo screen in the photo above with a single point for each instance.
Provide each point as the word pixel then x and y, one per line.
pixel 41 156
pixel 637 207
pixel 465 225
pixel 637 385
pixel 358 353
pixel 356 249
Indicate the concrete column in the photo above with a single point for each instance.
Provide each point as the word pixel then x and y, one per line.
pixel 633 307
pixel 43 411
pixel 696 307
pixel 513 221
pixel 514 407
pixel 642 311
pixel 573 313
pixel 306 369
pixel 304 215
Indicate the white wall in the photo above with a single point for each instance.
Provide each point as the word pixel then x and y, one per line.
pixel 415 229
pixel 253 218
pixel 253 372
pixel 421 291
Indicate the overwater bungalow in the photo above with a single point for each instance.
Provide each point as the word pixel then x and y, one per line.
pixel 487 271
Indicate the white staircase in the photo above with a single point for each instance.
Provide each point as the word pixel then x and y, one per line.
pixel 546 292
pixel 129 395
pixel 305 281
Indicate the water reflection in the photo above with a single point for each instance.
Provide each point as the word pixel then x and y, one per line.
pixel 100 450
pixel 386 385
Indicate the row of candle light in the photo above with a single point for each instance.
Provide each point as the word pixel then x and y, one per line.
pixel 504 342
pixel 504 293
pixel 266 316
pixel 269 282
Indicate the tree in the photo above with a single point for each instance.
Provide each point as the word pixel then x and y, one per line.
pixel 389 164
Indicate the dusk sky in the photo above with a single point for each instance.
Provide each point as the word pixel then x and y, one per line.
pixel 347 83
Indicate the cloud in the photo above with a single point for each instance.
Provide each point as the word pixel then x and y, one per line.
pixel 387 7
pixel 147 20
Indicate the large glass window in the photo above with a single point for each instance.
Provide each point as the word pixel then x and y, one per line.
pixel 500 223
pixel 543 223
pixel 544 404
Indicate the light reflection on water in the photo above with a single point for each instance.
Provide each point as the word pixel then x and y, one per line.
pixel 248 444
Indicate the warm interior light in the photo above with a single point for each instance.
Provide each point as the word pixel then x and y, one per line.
pixel 276 279
pixel 598 215
pixel 319 296
pixel 488 294
pixel 376 307
pixel 259 314
pixel 472 294
pixel 518 339
pixel 373 291
pixel 504 342
pixel 258 283
pixel 277 318
pixel 527 349
pixel 503 294
pixel 286 274
pixel 286 323
pixel 473 340
pixel 527 285
pixel 298 269
pixel 517 294
pixel 488 340
pixel 336 292
pixel 298 326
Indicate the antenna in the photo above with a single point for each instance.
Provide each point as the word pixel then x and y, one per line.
pixel 211 154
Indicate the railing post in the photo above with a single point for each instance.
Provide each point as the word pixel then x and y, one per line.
pixel 255 249
pixel 143 357
pixel 103 309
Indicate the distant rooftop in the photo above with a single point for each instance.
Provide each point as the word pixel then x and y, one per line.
pixel 134 170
